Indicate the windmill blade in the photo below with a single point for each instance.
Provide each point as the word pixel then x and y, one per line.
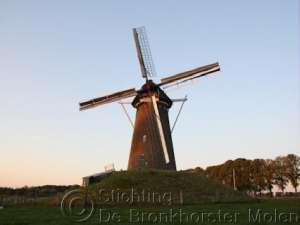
pixel 91 103
pixel 190 75
pixel 161 132
pixel 139 51
pixel 144 53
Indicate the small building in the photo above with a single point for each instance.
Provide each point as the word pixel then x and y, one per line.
pixel 98 177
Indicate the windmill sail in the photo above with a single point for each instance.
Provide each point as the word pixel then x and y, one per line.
pixel 160 130
pixel 144 53
pixel 91 103
pixel 191 74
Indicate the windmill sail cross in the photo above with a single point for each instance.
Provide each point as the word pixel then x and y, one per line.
pixel 144 52
pixel 191 74
pixel 94 102
pixel 152 145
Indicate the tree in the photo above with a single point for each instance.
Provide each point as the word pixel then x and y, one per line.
pixel 212 172
pixel 257 175
pixel 225 173
pixel 199 170
pixel 242 171
pixel 293 169
pixel 280 172
pixel 269 174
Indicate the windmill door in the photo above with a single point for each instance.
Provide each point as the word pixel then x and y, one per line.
pixel 142 162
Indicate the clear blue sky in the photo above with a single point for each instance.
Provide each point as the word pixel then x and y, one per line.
pixel 56 53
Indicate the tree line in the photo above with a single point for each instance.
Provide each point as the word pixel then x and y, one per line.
pixel 41 191
pixel 256 176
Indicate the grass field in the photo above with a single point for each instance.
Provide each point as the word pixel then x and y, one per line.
pixel 53 215
pixel 205 201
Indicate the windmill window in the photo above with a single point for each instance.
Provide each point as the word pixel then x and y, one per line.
pixel 144 138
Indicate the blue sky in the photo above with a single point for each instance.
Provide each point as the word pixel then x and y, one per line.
pixel 56 53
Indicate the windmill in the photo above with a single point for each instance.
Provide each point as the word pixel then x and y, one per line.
pixel 151 145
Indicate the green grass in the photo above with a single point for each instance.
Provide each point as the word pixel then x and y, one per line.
pixel 195 187
pixel 52 215
pixel 199 197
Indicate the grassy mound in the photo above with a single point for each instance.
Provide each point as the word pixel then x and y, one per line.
pixel 196 188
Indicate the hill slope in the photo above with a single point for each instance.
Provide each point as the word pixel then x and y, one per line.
pixel 195 187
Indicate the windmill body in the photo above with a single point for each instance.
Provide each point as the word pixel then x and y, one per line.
pixel 151 146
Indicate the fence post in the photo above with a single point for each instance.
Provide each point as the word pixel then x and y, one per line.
pixel 86 198
pixel 58 199
pixel 181 197
pixel 218 196
pixel 35 198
